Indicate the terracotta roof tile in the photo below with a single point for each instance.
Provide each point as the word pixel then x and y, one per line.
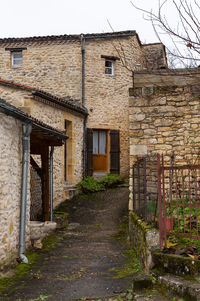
pixel 65 102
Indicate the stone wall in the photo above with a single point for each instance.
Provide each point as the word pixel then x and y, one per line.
pixel 164 116
pixel 52 66
pixel 107 95
pixel 36 195
pixel 10 187
pixel 155 57
pixel 144 240
pixel 54 116
pixel 55 66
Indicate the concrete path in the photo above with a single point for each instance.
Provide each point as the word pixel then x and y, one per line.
pixel 81 266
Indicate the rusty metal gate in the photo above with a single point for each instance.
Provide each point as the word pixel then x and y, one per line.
pixel 179 200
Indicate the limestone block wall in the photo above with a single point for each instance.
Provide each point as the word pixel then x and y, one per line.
pixel 53 66
pixel 107 95
pixel 10 186
pixel 165 117
pixel 56 117
pixel 154 55
pixel 35 195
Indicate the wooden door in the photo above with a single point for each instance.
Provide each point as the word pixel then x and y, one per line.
pixel 100 156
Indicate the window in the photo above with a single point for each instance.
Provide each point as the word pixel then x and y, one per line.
pixel 109 67
pixel 99 142
pixel 16 55
pixel 16 58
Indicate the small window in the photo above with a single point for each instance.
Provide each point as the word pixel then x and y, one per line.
pixel 16 58
pixel 109 67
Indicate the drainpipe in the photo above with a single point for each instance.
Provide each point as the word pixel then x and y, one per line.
pixel 83 69
pixel 26 130
pixel 51 183
pixel 83 104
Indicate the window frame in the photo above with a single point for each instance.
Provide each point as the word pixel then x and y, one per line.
pixel 99 141
pixel 13 59
pixel 109 68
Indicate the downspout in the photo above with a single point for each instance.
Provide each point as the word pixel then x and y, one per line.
pixel 83 69
pixel 51 182
pixel 83 104
pixel 26 130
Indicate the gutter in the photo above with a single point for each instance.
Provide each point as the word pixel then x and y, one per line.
pixel 26 130
pixel 83 104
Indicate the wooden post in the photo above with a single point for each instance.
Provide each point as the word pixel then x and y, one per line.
pixel 45 173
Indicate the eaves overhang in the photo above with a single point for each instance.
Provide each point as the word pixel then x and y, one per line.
pixel 40 130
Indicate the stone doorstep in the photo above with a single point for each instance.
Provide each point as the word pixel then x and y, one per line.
pixel 177 284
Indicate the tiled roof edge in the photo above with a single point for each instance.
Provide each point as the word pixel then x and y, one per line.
pixel 70 37
pixel 45 95
pixel 24 117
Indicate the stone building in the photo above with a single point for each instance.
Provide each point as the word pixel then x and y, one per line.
pixel 20 134
pixel 164 116
pixel 79 85
pixel 94 68
pixel 44 111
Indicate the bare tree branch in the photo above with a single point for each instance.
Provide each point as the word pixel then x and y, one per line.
pixel 185 36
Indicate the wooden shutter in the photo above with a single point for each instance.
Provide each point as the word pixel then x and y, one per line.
pixel 89 163
pixel 114 152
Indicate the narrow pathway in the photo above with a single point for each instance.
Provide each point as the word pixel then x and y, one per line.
pixel 81 266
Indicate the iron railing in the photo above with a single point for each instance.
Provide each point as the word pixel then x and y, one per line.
pixel 179 200
pixel 145 193
pixel 168 196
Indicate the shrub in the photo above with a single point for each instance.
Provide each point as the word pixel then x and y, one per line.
pixel 89 184
pixel 111 180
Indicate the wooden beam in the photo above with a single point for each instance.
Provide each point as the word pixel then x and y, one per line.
pixel 45 180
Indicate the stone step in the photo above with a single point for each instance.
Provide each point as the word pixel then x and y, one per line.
pixel 181 286
pixel 150 297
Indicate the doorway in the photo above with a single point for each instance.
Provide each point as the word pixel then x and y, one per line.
pixel 100 156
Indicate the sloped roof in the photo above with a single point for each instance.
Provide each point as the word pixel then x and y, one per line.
pixel 73 37
pixel 38 126
pixel 68 102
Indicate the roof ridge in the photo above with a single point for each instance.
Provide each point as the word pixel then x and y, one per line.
pixel 68 36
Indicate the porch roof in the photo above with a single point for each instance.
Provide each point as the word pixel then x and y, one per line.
pixel 40 130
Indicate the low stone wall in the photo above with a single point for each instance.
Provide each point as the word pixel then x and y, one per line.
pixel 144 240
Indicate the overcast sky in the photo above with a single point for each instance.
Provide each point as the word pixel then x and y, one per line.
pixel 54 17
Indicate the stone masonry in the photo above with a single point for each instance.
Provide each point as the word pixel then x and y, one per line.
pixel 10 186
pixel 53 116
pixel 164 116
pixel 54 64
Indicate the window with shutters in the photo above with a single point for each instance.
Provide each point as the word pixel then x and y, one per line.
pixel 96 148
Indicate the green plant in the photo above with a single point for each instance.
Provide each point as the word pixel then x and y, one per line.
pixel 132 267
pixel 111 180
pixel 89 184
